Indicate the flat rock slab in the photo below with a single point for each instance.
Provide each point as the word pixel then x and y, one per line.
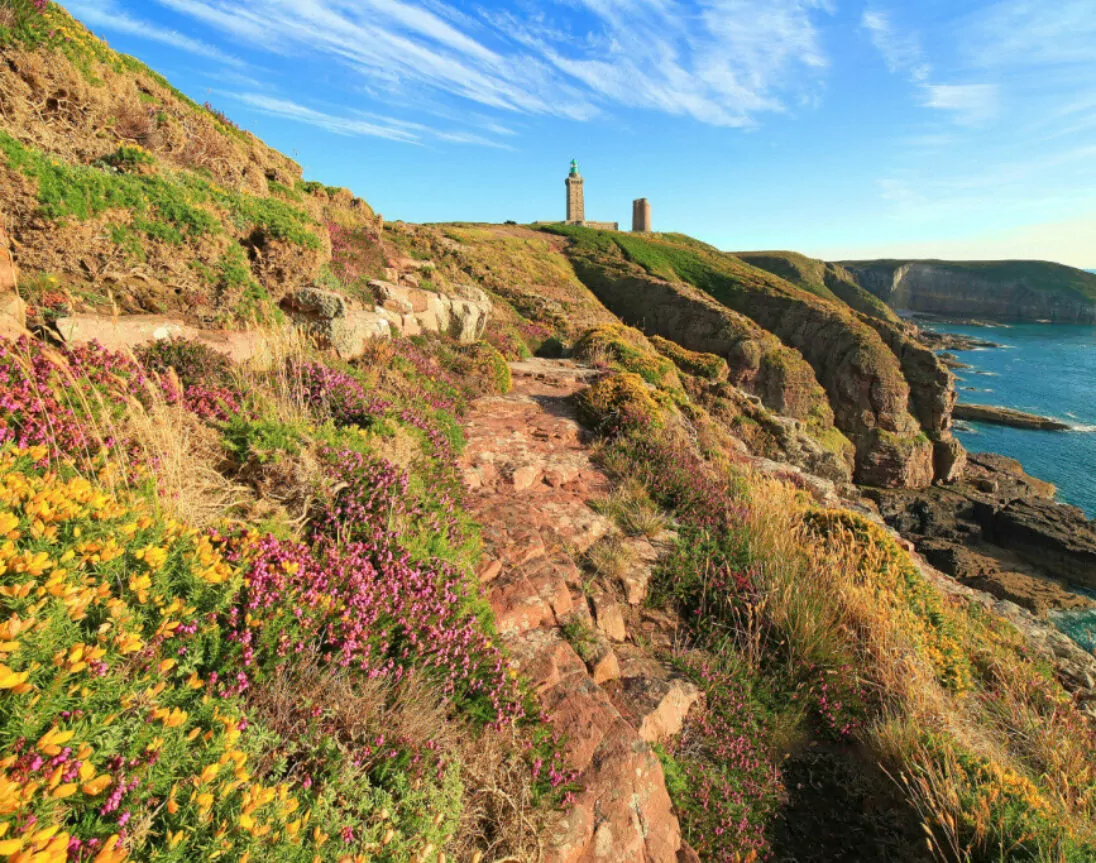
pixel 125 332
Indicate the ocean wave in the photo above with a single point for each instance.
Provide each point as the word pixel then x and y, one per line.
pixel 1083 427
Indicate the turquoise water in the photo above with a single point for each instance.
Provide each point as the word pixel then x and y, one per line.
pixel 1047 369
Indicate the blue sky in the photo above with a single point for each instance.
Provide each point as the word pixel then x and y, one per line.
pixel 840 128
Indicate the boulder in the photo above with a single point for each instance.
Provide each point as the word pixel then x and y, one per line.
pixel 651 697
pixel 326 317
pixel 949 459
pixel 610 617
pixel 412 310
pixel 122 332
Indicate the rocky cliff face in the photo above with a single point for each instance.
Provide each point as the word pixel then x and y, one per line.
pixel 758 362
pixel 664 283
pixel 1005 290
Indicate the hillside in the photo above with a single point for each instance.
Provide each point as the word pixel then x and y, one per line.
pixel 328 538
pixel 1003 290
pixel 862 375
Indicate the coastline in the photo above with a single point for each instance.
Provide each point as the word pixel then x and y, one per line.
pixel 1002 530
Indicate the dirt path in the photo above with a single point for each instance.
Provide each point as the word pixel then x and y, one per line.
pixel 529 469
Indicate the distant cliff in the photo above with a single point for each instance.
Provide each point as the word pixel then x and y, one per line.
pixel 1004 290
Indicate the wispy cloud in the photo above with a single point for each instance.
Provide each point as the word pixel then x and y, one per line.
pixel 972 104
pixel 719 62
pixel 361 124
pixel 722 63
pixel 903 54
pixel 1032 33
pixel 107 15
pixel 901 49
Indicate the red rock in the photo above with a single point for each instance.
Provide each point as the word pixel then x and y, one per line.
pixel 609 617
pixel 13 307
pixel 635 583
pixel 489 571
pixel 623 814
pixel 686 854
pixel 605 668
pixel 524 477
pixel 9 275
pixel 518 608
pixel 656 706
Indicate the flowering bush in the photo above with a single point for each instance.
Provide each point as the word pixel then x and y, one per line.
pixel 192 362
pixel 719 771
pixel 356 255
pixel 57 399
pixel 112 745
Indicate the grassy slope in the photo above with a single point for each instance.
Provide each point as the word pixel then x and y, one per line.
pixel 1035 275
pixel 814 625
pixel 829 281
pixel 825 653
pixel 134 195
pixel 254 571
pixel 848 346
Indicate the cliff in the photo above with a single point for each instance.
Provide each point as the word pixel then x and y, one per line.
pixel 1002 290
pixel 862 376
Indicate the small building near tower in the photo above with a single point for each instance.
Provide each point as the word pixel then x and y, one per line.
pixel 641 216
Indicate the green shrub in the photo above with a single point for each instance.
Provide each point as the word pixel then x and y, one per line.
pixel 264 440
pixel 624 401
pixel 707 366
pixel 129 157
pixel 625 349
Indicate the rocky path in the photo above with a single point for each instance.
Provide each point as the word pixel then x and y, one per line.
pixel 531 477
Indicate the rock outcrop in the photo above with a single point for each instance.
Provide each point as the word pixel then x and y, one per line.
pixel 335 323
pixel 1000 530
pixel 1008 417
pixel 1003 290
pixel 13 311
pixel 128 331
pixel 932 395
pixel 863 380
pixel 758 362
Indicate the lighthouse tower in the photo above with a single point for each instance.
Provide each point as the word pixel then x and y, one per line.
pixel 576 206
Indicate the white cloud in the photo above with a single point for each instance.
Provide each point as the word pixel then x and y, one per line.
pixel 901 49
pixel 107 15
pixel 363 124
pixel 972 104
pixel 721 64
pixel 1032 32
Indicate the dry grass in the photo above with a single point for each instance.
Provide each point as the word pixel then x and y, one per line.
pixel 611 557
pixel 822 596
pixel 185 455
pixel 634 512
pixel 500 819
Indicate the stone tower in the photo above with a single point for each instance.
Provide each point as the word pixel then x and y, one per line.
pixel 641 215
pixel 576 206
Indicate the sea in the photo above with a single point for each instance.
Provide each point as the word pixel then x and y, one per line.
pixel 1045 369
pixel 1050 370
